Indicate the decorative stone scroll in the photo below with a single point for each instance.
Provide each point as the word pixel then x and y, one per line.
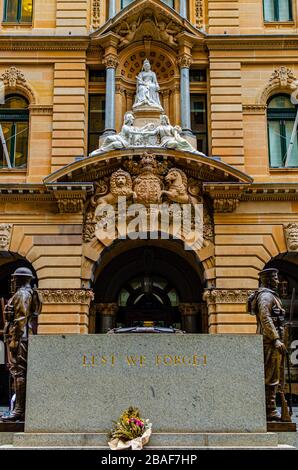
pixel 291 235
pixel 66 296
pixel 5 236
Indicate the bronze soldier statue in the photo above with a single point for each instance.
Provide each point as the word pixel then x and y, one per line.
pixel 266 305
pixel 21 314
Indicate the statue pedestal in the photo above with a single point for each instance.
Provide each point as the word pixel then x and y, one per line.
pixel 147 115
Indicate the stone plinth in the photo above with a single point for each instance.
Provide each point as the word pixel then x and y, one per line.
pixel 146 115
pixel 183 383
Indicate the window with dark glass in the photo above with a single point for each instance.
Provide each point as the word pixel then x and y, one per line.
pixel 18 11
pixel 96 120
pixel 281 115
pixel 198 107
pixel 277 10
pixel 14 119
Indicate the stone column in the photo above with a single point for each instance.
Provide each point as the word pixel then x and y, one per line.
pixel 111 63
pixel 184 62
pixel 112 8
pixel 108 312
pixel 189 312
pixel 183 8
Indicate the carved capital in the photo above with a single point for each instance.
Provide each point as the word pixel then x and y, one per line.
pixel 111 61
pixel 184 61
pixel 66 296
pixel 291 235
pixel 107 309
pixel 187 309
pixel 226 296
pixel 5 236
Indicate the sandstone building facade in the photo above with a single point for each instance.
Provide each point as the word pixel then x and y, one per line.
pixel 227 73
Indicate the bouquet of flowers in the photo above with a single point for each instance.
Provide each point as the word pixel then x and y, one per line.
pixel 130 431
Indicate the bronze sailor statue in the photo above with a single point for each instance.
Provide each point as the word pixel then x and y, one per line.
pixel 266 304
pixel 21 314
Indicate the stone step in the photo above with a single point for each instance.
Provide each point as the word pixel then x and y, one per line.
pixel 158 440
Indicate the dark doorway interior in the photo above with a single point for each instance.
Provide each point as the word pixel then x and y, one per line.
pixel 149 284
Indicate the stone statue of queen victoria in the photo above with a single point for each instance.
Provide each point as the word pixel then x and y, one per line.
pixel 147 93
pixel 161 134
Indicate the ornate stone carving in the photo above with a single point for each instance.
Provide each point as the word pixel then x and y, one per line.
pixel 157 26
pixel 66 296
pixel 96 10
pixel 69 201
pixel 225 205
pixel 184 61
pixel 291 235
pixel 226 296
pixel 120 185
pixel 281 79
pixel 177 190
pixel 199 13
pixel 282 76
pixel 5 236
pixel 13 76
pixel 146 180
pixel 111 61
pixel 151 135
pixel 148 186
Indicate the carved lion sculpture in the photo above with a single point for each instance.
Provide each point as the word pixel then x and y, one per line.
pixel 120 185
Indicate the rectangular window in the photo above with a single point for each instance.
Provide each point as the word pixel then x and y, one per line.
pixel 277 10
pixel 198 108
pixel 16 137
pixel 280 132
pixel 18 11
pixel 97 104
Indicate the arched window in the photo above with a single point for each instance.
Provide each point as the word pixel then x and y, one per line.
pixel 14 119
pixel 281 115
pixel 18 11
pixel 277 10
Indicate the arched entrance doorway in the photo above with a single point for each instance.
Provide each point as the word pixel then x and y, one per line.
pixel 159 283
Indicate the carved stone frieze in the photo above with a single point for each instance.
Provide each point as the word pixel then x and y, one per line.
pixel 291 235
pixel 5 236
pixel 66 296
pixel 226 296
